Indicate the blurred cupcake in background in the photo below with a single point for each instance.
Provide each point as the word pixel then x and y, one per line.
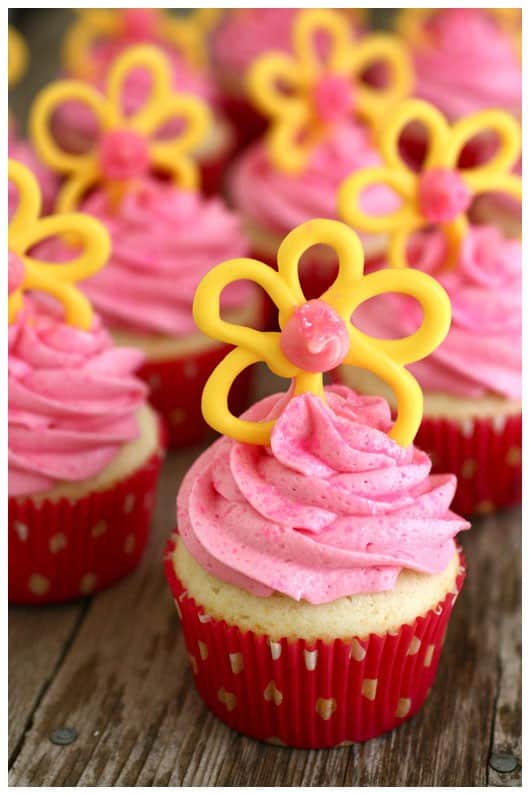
pixel 315 563
pixel 472 383
pixel 321 116
pixel 99 35
pixel 466 60
pixel 242 35
pixel 84 445
pixel 165 234
pixel 18 147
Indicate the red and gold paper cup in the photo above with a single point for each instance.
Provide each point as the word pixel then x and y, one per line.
pixel 61 549
pixel 177 368
pixel 485 455
pixel 176 386
pixel 316 694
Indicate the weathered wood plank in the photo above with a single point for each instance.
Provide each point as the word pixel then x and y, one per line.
pixel 38 638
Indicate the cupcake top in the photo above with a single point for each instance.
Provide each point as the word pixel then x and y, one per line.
pixel 317 494
pixel 73 397
pixel 246 33
pixel 332 507
pixel 73 400
pixel 481 355
pixel 281 201
pixel 165 235
pixel 465 61
pixel 99 36
pixel 431 232
pixel 310 94
pixel 163 241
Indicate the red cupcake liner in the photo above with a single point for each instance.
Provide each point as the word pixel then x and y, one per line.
pixel 176 388
pixel 484 454
pixel 311 694
pixel 72 548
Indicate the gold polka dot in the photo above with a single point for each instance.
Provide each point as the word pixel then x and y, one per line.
pixel 274 741
pixel 130 544
pixel 88 583
pixel 203 650
pixel 469 467
pixel 21 530
pixel 271 693
pixel 310 659
pixel 236 662
pixel 204 618
pixel 99 529
pixel 275 649
pixel 190 369
pixel 414 647
pixel 429 655
pixel 325 707
pixel 357 651
pixel 403 707
pixel 38 584
pixel 177 416
pixel 485 507
pixel 128 503
pixel 193 663
pixel 154 381
pixel 228 699
pixel 513 456
pixel 369 688
pixel 57 542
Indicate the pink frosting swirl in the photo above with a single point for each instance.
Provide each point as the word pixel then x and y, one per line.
pixel 163 242
pixel 244 34
pixel 470 64
pixel 48 181
pixel 482 352
pixel 73 400
pixel 332 508
pixel 281 201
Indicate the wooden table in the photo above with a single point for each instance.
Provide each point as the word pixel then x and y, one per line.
pixel 114 668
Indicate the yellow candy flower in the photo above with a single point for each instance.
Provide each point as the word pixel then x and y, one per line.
pixel 317 335
pixel 306 94
pixel 17 53
pixel 26 272
pixel 128 147
pixel 441 193
pixel 186 33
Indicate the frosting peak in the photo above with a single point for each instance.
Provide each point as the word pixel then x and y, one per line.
pixel 331 508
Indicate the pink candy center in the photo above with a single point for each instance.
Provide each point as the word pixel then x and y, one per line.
pixel 123 155
pixel 140 24
pixel 442 195
pixel 333 98
pixel 315 338
pixel 15 273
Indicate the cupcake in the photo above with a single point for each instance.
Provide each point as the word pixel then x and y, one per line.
pixel 99 36
pixel 165 235
pixel 19 149
pixel 319 132
pixel 242 36
pixel 84 446
pixel 472 383
pixel 466 60
pixel 315 563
